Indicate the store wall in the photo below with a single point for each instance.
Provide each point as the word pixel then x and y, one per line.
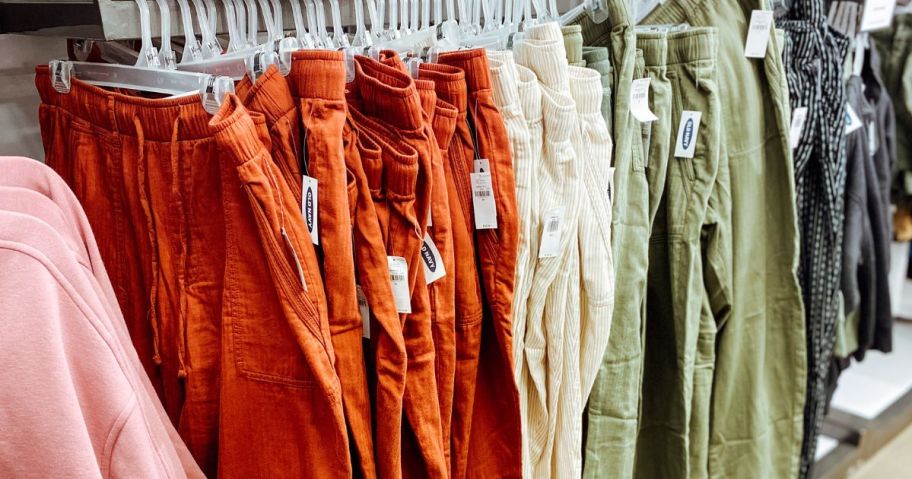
pixel 19 133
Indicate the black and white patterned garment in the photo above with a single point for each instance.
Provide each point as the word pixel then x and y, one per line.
pixel 814 57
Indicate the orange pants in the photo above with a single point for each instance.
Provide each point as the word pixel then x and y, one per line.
pixel 317 80
pixel 387 354
pixel 194 222
pixel 381 91
pixel 494 433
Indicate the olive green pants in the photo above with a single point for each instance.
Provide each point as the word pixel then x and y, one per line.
pixel 752 301
pixel 687 239
pixel 611 420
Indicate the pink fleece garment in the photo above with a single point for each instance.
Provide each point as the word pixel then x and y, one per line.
pixel 48 253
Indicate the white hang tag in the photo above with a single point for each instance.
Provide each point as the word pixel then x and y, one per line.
pixel 550 243
pixel 364 309
pixel 398 270
pixel 859 55
pixel 639 100
pixel 309 207
pixel 873 141
pixel 799 116
pixel 611 184
pixel 483 197
pixel 852 121
pixel 758 34
pixel 687 134
pixel 432 261
pixel 877 14
pixel 481 165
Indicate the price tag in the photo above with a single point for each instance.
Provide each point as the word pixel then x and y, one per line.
pixel 877 14
pixel 799 116
pixel 309 207
pixel 873 140
pixel 364 308
pixel 758 34
pixel 639 100
pixel 852 121
pixel 483 202
pixel 550 243
pixel 398 271
pixel 432 261
pixel 687 134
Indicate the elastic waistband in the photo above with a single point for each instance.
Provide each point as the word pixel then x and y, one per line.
pixel 387 92
pixel 504 77
pixel 449 83
pixel 692 45
pixel 654 46
pixel 586 89
pixel 399 170
pixel 619 15
pixel 427 95
pixel 444 124
pixel 475 65
pixel 573 43
pixel 547 59
pixel 269 95
pixel 595 55
pixel 529 93
pixel 117 112
pixel 391 58
pixel 318 74
pixel 236 131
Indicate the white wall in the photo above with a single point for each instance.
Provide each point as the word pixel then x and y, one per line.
pixel 19 132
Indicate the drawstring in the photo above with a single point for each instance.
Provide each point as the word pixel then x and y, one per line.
pixel 177 180
pixel 145 200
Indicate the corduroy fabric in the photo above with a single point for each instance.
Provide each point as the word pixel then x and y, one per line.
pixel 495 443
pixel 676 385
pixel 549 418
pixel 756 410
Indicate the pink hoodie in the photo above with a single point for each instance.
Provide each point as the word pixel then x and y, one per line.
pixel 75 401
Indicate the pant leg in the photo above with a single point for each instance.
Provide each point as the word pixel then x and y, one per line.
pixel 756 410
pixel 495 441
pixel 319 83
pixel 279 388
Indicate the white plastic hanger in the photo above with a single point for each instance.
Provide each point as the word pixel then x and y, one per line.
pixel 209 46
pixel 325 39
pixel 310 11
pixel 212 16
pixel 362 39
pixel 166 55
pixel 340 39
pixel 212 89
pixel 148 55
pixel 301 33
pixel 279 18
pixel 266 12
pixel 253 23
pixel 192 51
pixel 231 21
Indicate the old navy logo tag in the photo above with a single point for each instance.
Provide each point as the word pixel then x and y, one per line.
pixel 688 129
pixel 430 258
pixel 309 202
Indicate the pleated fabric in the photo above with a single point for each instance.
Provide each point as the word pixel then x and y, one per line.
pixel 814 56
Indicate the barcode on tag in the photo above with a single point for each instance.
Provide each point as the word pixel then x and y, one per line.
pixel 553 225
pixel 309 207
pixel 758 34
pixel 483 204
pixel 398 271
pixel 550 243
pixel 432 261
pixel 364 309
